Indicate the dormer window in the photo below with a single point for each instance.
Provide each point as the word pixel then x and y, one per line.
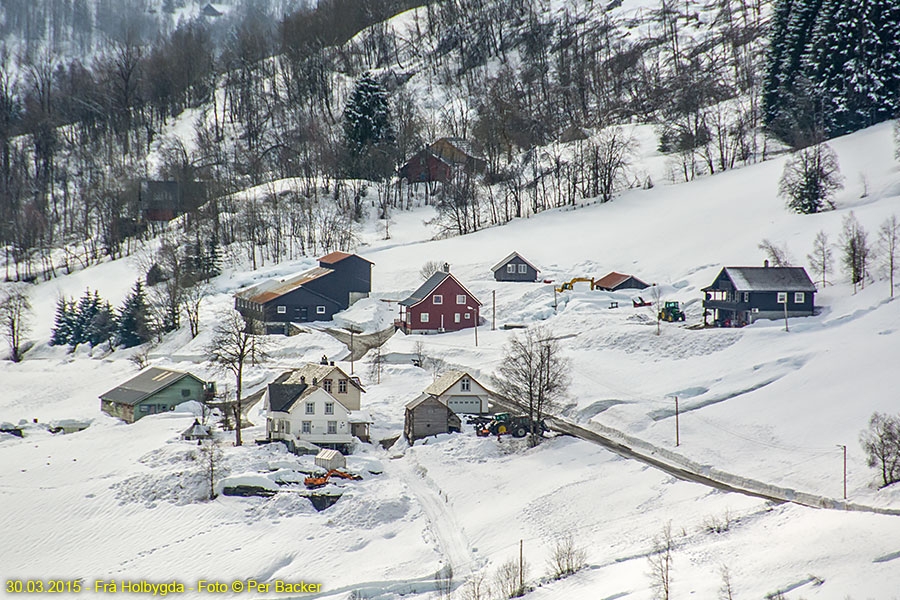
pixel 465 384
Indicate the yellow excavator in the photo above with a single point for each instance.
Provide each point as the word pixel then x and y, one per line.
pixel 568 285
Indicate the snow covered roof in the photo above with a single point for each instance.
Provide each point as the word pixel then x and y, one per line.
pixel 509 258
pixel 196 431
pixel 446 381
pixel 311 372
pixel 329 454
pixel 273 288
pixel 769 279
pixel 145 384
pixel 357 417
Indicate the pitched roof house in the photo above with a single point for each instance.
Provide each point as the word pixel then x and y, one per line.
pixel 613 281
pixel 425 166
pixel 152 391
pixel 460 392
pixel 459 152
pixel 440 304
pixel 741 295
pixel 315 295
pixel 427 415
pixel 515 268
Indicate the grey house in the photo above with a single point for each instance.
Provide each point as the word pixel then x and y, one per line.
pixel 154 391
pixel 741 295
pixel 515 268
pixel 427 415
pixel 315 295
pixel 613 282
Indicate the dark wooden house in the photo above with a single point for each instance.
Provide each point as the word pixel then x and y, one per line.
pixel 440 304
pixel 425 166
pixel 427 415
pixel 613 282
pixel 459 152
pixel 515 268
pixel 315 295
pixel 741 295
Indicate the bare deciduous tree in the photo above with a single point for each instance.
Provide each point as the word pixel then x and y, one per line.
pixel 475 588
pixel 233 347
pixel 210 459
pixel 509 579
pixel 778 255
pixel 533 374
pixel 15 311
pixel 726 590
pixel 881 443
pixel 820 259
pixel 430 268
pixel 855 250
pixel 192 297
pixel 888 237
pixel 567 558
pixel 661 564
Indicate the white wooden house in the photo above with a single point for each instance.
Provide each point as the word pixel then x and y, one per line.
pixel 460 392
pixel 302 412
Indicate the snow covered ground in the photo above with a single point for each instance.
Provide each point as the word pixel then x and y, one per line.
pixel 124 501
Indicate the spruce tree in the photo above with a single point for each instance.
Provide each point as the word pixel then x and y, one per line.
pixel 133 328
pixel 368 131
pixel 62 326
pixel 102 325
pixel 84 313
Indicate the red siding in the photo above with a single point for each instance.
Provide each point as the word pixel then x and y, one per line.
pixel 448 290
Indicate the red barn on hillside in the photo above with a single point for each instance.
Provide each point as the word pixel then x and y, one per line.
pixel 440 304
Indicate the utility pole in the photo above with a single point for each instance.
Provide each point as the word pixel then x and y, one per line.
pixel 352 329
pixel 521 567
pixel 677 434
pixel 785 312
pixel 554 298
pixel 844 448
pixel 494 310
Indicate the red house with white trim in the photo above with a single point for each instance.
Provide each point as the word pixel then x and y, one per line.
pixel 440 304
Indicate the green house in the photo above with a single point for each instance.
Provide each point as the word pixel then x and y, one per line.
pixel 154 391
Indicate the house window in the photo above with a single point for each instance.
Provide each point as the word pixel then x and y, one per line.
pixel 523 269
pixel 456 317
pixel 287 426
pixel 461 299
pixel 320 310
pixel 310 408
pixel 782 298
pixel 332 427
pixel 423 317
pixel 329 408
pixel 799 298
pixel 185 393
pixel 306 427
pixel 510 268
pixel 465 384
pixel 746 296
pixel 437 299
pixel 144 408
pixel 282 310
pixel 326 383
pixel 342 386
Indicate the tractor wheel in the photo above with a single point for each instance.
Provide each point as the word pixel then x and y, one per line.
pixel 682 316
pixel 519 432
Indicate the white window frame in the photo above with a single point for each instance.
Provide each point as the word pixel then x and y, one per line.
pixel 320 310
pixel 329 408
pixel 281 309
pixel 423 317
pixel 342 386
pixel 510 268
pixel 437 299
pixel 456 317
pixel 460 298
pixel 523 268
pixel 746 296
pixel 332 427
pixel 465 384
pixel 306 427
pixel 287 427
pixel 781 298
pixel 310 408
pixel 799 297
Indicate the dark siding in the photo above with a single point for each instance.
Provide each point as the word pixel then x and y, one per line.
pixel 300 305
pixel 353 274
pixel 530 273
pixel 762 301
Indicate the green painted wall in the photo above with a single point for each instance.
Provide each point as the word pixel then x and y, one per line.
pixel 164 400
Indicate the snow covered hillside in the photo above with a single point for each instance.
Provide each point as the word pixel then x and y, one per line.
pixel 125 502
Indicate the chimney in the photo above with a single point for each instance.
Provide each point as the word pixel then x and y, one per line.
pixel 315 381
pixel 302 379
pixel 766 264
pixel 446 267
pixel 332 364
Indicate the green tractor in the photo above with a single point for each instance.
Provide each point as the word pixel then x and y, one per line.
pixel 504 423
pixel 671 312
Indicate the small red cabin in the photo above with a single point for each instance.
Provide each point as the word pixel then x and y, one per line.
pixel 425 166
pixel 440 304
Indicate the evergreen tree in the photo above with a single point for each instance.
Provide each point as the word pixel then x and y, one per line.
pixel 133 328
pixel 212 265
pixel 102 326
pixel 62 327
pixel 810 178
pixel 83 314
pixel 368 131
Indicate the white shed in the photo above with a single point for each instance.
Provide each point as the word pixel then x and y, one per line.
pixel 331 459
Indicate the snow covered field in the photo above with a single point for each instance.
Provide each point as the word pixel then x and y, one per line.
pixel 123 501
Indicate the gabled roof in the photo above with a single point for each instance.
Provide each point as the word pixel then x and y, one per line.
pixel 425 290
pixel 336 257
pixel 145 384
pixel 613 279
pixel 315 371
pixel 423 397
pixel 768 279
pixel 461 144
pixel 196 430
pixel 446 381
pixel 509 258
pixel 273 288
pixel 283 396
